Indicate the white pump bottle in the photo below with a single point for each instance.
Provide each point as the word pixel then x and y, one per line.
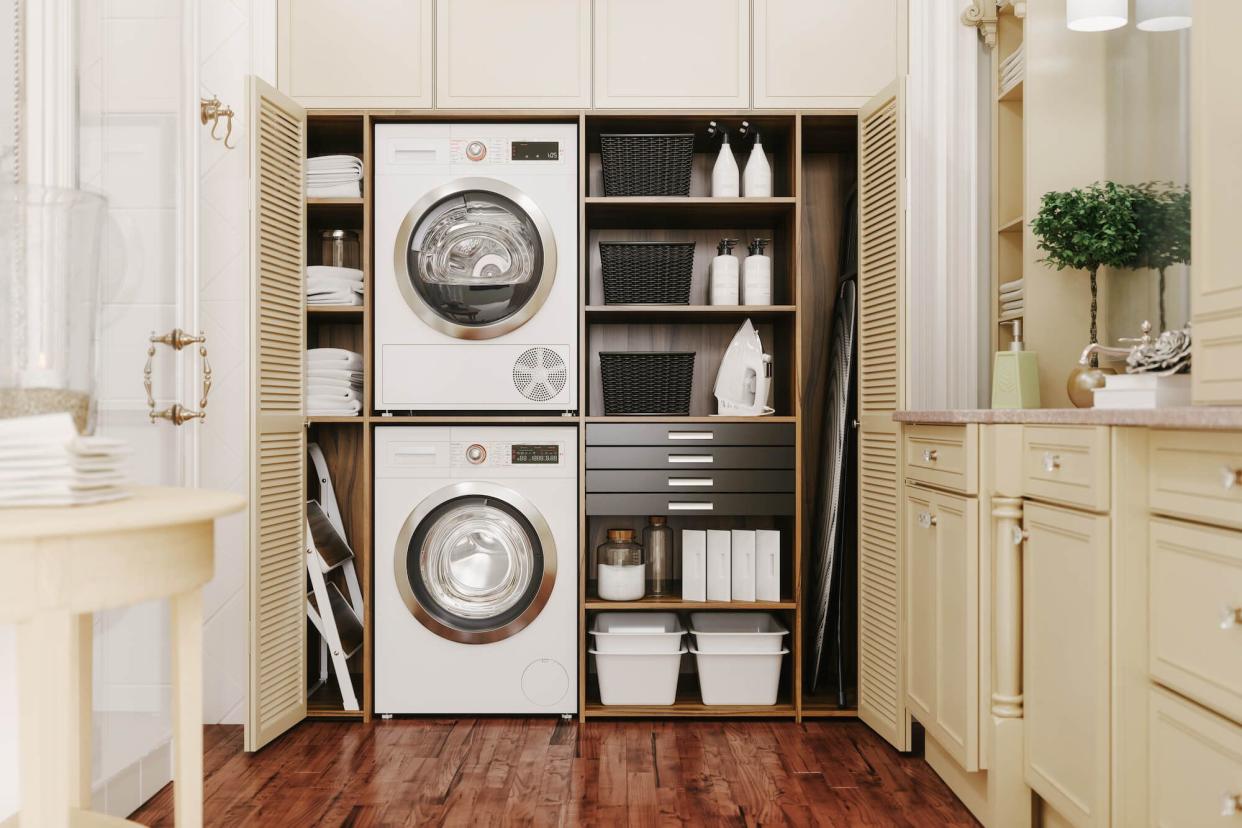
pixel 757 180
pixel 724 174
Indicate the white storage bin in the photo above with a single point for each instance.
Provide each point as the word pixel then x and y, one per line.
pixel 638 678
pixel 739 678
pixel 737 632
pixel 638 632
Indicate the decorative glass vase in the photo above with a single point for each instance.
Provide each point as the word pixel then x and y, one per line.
pixel 49 297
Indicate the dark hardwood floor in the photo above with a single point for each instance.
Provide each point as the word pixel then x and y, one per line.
pixel 551 772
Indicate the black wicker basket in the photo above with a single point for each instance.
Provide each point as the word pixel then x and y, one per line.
pixel 646 272
pixel 647 165
pixel 646 382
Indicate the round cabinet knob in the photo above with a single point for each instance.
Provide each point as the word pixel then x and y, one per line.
pixel 1231 804
pixel 1231 618
pixel 1230 478
pixel 927 520
pixel 1018 536
pixel 930 456
pixel 476 454
pixel 1052 462
pixel 476 150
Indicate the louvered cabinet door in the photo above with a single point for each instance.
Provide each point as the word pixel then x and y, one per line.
pixel 881 689
pixel 277 568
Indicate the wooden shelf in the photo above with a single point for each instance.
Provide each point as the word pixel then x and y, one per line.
pixel 433 418
pixel 678 605
pixel 325 702
pixel 696 420
pixel 334 310
pixel 676 212
pixel 1013 93
pixel 1014 225
pixel 688 704
pixel 333 202
pixel 316 419
pixel 675 313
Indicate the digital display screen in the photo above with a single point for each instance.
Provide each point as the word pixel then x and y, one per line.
pixel 536 151
pixel 536 455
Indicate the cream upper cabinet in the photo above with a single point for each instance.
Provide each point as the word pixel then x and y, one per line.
pixel 498 53
pixel 653 54
pixel 334 53
pixel 832 54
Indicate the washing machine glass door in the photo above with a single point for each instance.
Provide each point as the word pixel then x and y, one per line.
pixel 475 563
pixel 475 258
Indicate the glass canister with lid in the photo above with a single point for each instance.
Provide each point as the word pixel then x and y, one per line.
pixel 620 573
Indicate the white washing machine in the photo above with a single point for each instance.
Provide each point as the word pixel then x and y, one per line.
pixel 476 267
pixel 476 574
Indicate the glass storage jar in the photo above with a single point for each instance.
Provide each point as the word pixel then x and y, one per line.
pixel 621 573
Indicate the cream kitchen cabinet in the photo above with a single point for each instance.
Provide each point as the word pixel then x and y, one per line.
pixel 333 53
pixel 831 54
pixel 498 53
pixel 653 54
pixel 942 645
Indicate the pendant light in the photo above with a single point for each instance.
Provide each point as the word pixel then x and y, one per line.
pixel 1096 15
pixel 1163 15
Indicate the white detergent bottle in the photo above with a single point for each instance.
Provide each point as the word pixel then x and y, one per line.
pixel 757 180
pixel 757 275
pixel 724 173
pixel 723 281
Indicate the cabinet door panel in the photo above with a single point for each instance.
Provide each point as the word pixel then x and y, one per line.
pixel 922 604
pixel 653 54
pixel 1066 661
pixel 831 54
pixel 497 53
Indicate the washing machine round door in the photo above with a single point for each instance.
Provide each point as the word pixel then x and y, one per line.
pixel 475 258
pixel 475 563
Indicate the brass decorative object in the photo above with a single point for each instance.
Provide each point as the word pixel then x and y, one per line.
pixel 981 14
pixel 210 111
pixel 176 413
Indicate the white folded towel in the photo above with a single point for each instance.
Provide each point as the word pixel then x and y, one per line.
pixel 343 274
pixel 347 298
pixel 352 189
pixel 314 384
pixel 337 358
pixel 317 371
pixel 1010 287
pixel 1007 315
pixel 326 392
pixel 333 162
pixel 331 283
pixel 332 407
pixel 1017 304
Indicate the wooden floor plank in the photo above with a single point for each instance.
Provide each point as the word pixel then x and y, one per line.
pixel 551 772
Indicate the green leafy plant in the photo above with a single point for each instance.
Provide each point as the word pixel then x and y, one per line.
pixel 1162 213
pixel 1088 228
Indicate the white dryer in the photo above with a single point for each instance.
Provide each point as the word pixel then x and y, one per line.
pixel 476 267
pixel 476 574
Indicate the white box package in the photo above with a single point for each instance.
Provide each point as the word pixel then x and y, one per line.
pixel 719 583
pixel 693 565
pixel 742 574
pixel 767 565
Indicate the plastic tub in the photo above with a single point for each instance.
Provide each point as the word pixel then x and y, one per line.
pixel 737 632
pixel 637 632
pixel 739 678
pixel 638 678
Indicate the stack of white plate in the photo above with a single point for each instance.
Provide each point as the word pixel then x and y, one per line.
pixel 45 462
pixel 638 657
pixel 738 656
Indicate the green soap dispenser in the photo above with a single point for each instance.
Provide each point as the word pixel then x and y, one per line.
pixel 1015 374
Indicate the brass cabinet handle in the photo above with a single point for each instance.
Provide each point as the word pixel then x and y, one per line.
pixel 1230 478
pixel 176 413
pixel 1052 462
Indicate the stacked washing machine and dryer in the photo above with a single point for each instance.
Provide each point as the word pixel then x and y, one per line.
pixel 476 309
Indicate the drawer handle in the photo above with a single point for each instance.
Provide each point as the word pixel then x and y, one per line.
pixel 1018 535
pixel 682 506
pixel 692 435
pixel 1231 804
pixel 1230 478
pixel 691 458
pixel 930 456
pixel 1052 462
pixel 1230 618
pixel 927 520
pixel 692 482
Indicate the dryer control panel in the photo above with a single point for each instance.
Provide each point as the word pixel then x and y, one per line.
pixel 493 151
pixel 492 454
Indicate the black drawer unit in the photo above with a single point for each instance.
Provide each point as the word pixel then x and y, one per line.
pixel 690 434
pixel 689 457
pixel 677 481
pixel 677 504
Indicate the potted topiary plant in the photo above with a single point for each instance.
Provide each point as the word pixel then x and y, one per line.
pixel 1162 213
pixel 1085 229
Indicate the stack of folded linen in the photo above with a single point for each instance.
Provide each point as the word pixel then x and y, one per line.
pixel 45 462
pixel 334 176
pixel 333 383
pixel 327 285
pixel 1013 69
pixel 1012 300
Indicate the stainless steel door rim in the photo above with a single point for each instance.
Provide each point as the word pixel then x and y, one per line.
pixel 426 616
pixel 428 314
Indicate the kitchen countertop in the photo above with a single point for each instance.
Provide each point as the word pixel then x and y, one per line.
pixel 1220 418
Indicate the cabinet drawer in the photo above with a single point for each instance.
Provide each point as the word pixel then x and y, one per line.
pixel 699 482
pixel 690 434
pixel 1194 765
pixel 943 456
pixel 1196 475
pixel 1066 464
pixel 690 457
pixel 1196 596
pixel 690 504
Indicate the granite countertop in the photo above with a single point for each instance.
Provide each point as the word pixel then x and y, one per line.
pixel 1221 418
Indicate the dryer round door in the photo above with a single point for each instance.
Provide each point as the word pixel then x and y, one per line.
pixel 475 563
pixel 475 258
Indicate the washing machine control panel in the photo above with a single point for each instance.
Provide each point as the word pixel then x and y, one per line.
pixel 491 151
pixel 494 454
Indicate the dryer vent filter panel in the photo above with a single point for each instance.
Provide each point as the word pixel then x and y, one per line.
pixel 540 374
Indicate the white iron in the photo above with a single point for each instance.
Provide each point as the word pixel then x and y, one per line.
pixel 745 376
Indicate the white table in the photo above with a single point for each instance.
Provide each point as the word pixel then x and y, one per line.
pixel 60 565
